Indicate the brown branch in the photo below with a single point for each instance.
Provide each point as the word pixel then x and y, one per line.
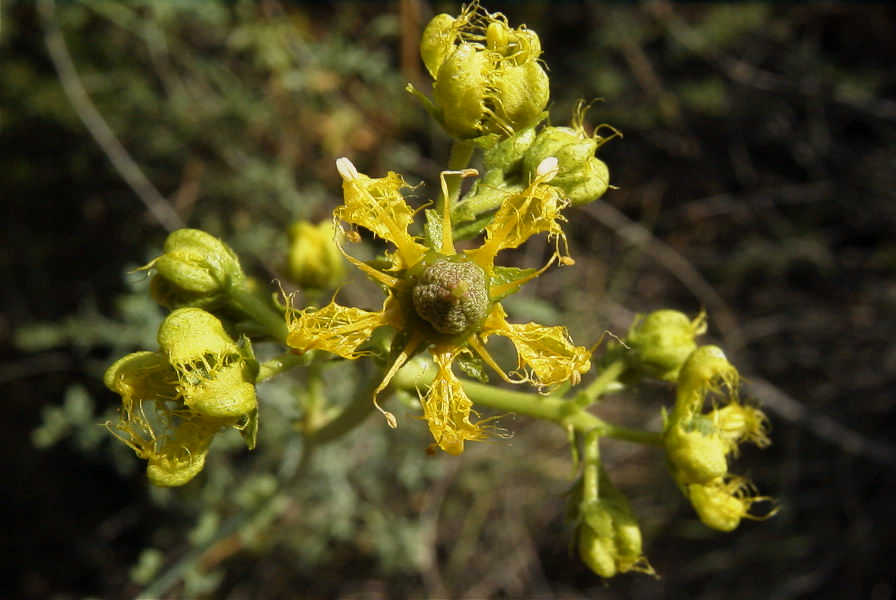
pixel 102 133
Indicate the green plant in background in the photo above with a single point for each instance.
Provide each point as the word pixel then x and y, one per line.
pixel 443 303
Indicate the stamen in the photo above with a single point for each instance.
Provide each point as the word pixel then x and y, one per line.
pixel 346 169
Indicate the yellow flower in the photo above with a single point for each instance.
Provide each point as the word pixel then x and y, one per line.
pixel 442 300
pixel 176 400
pixel 313 261
pixel 724 501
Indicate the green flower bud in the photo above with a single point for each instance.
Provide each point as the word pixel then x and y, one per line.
pixel 706 371
pixel 507 155
pixel 661 341
pixel 696 452
pixel 483 90
pixel 213 373
pixel 314 259
pixel 610 539
pixel 582 176
pixel 723 502
pixel 596 546
pixel 195 268
pixel 452 296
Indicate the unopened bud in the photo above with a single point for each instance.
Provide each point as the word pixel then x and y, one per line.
pixel 314 260
pixel 696 452
pixel 488 81
pixel 723 502
pixel 661 341
pixel 195 269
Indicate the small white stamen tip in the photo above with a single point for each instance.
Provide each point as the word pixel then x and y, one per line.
pixel 346 169
pixel 547 168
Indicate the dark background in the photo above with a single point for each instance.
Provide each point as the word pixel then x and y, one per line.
pixel 755 178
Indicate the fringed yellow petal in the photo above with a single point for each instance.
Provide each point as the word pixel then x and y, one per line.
pixel 723 502
pixel 143 378
pixel 534 210
pixel 548 352
pixel 447 408
pixel 333 328
pixel 181 456
pixel 706 374
pixel 378 205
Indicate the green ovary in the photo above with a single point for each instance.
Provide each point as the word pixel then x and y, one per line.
pixel 452 296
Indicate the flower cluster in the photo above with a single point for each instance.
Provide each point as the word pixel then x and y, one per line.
pixel 176 400
pixel 699 444
pixel 442 300
pixel 488 81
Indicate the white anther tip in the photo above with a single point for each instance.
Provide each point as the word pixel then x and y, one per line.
pixel 346 169
pixel 548 168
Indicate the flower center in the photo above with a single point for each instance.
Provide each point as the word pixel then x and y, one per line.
pixel 452 296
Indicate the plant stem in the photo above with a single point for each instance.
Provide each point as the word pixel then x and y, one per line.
pixel 563 412
pixel 281 363
pixel 461 153
pixel 252 306
pixel 351 416
pixel 602 384
pixel 568 414
pixel 590 467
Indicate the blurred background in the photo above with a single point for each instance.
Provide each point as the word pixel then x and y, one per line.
pixel 755 178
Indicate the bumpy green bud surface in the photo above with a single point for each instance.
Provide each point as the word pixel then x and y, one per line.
pixel 662 341
pixel 195 270
pixel 438 42
pixel 452 296
pixel 696 451
pixel 190 334
pixel 582 176
pixel 597 548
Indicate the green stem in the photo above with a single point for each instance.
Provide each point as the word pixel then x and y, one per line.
pixel 604 382
pixel 461 154
pixel 259 311
pixel 563 412
pixel 279 364
pixel 590 467
pixel 487 199
pixel 350 417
